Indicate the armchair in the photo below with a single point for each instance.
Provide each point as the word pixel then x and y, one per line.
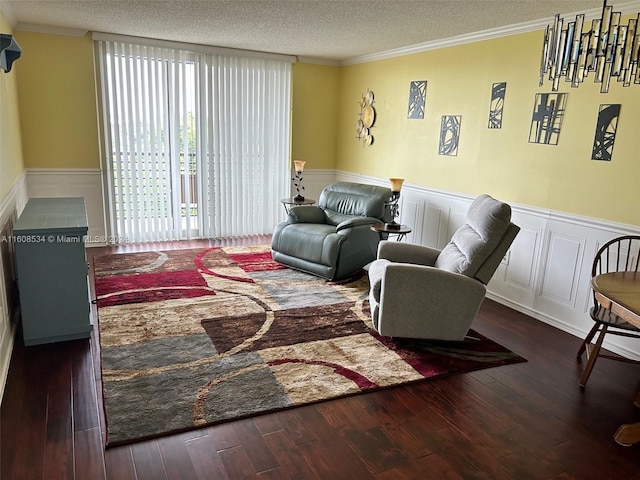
pixel 333 239
pixel 422 292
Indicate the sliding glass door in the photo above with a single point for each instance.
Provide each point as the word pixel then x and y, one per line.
pixel 195 145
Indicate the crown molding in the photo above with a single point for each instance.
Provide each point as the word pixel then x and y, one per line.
pixel 319 61
pixel 493 33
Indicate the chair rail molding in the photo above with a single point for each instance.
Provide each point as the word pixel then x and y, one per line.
pixel 546 272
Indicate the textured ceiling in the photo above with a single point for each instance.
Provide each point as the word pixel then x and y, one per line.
pixel 325 29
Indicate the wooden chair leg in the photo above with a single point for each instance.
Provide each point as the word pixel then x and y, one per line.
pixel 593 356
pixel 587 340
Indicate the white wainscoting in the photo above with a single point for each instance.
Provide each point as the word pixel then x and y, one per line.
pixel 10 207
pixel 545 274
pixel 547 270
pixel 62 182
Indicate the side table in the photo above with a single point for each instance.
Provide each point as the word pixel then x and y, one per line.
pixel 290 202
pixel 400 232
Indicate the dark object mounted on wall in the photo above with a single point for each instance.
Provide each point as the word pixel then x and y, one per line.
pixel 9 51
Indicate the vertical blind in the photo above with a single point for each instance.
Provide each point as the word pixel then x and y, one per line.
pixel 195 144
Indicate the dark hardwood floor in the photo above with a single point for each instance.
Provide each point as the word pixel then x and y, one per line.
pixel 524 421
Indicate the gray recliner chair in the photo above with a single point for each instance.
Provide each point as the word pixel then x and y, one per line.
pixel 333 239
pixel 422 292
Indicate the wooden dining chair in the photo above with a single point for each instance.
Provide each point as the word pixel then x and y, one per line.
pixel 622 254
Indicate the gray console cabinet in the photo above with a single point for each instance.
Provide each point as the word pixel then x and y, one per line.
pixel 52 269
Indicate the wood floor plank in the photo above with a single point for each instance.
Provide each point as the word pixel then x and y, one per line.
pixel 379 451
pixel 297 431
pixel 175 457
pixel 254 445
pixel 59 449
pixel 85 405
pixel 147 461
pixel 205 459
pixel 224 436
pixel 346 413
pixel 24 414
pixel 431 467
pixel 465 455
pixel 237 463
pixel 329 455
pixel 89 455
pixel 268 423
pixel 119 463
pixel 292 464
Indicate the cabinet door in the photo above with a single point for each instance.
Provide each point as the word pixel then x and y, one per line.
pixel 54 296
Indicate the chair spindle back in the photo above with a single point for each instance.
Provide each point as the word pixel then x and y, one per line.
pixel 621 254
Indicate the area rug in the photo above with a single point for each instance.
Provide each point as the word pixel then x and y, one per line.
pixel 194 337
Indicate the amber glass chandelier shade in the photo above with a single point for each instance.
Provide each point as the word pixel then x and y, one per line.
pixel 396 184
pixel 299 165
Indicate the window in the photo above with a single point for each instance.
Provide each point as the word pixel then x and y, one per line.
pixel 195 144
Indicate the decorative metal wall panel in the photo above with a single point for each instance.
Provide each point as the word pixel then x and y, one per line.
pixel 449 135
pixel 498 91
pixel 548 112
pixel 417 99
pixel 605 134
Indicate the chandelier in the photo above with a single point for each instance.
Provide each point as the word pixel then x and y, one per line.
pixel 608 49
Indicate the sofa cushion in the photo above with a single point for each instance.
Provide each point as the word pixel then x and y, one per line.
pixel 308 241
pixel 308 214
pixel 487 221
pixel 356 199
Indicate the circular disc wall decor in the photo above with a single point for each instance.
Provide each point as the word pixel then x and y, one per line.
pixel 368 98
pixel 367 118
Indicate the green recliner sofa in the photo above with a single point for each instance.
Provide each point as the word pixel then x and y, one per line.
pixel 333 239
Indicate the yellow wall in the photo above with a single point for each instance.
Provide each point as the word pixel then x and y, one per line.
pixel 11 164
pixel 58 104
pixel 58 101
pixel 315 110
pixel 60 128
pixel 501 161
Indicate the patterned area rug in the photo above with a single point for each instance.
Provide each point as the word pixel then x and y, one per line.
pixel 194 337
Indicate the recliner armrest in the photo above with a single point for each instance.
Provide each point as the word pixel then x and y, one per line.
pixel 307 214
pixel 407 253
pixel 356 222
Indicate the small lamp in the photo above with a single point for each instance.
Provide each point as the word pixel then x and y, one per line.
pixel 396 186
pixel 297 179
